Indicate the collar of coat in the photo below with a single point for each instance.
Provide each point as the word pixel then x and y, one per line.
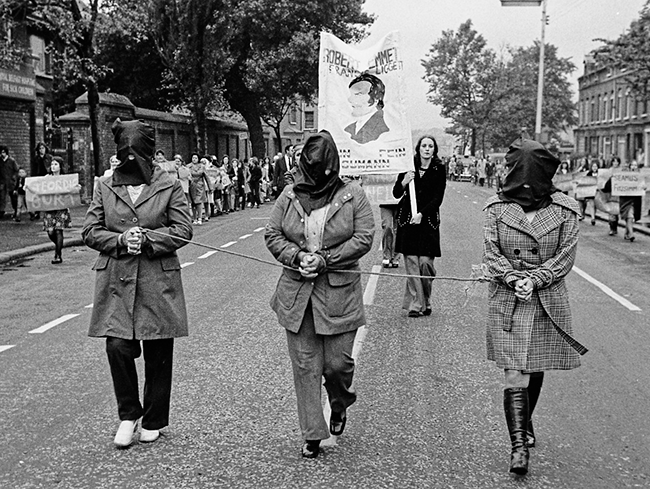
pixel 160 180
pixel 341 196
pixel 546 219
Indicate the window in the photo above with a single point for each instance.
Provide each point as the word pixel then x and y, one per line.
pixel 619 108
pixel 309 119
pixel 293 115
pixel 612 108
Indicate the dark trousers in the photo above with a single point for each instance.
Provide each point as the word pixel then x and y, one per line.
pixel 158 358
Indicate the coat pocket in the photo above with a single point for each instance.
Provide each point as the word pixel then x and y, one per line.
pixel 101 263
pixel 287 291
pixel 170 263
pixel 344 294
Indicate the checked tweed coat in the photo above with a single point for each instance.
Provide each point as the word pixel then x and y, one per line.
pixel 536 335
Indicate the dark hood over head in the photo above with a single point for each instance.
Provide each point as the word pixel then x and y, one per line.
pixel 529 178
pixel 317 178
pixel 135 147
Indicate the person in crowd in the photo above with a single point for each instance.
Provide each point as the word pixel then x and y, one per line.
pixel 481 173
pixel 113 162
pixel 612 201
pixel 40 167
pixel 184 176
pixel 283 164
pixel 18 201
pixel 8 177
pixel 246 192
pixel 208 202
pixel 240 195
pixel 160 157
pixel 217 185
pixel 418 236
pixel 290 174
pixel 564 168
pixel 233 174
pixel 198 186
pixel 134 270
pixel 320 227
pixel 630 206
pixel 592 171
pixel 55 221
pixel 490 171
pixel 267 178
pixel 529 246
pixel 226 185
pixel 254 182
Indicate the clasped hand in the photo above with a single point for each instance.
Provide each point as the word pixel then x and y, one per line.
pixel 524 289
pixel 311 265
pixel 133 239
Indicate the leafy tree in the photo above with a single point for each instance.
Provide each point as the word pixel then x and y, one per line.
pixel 12 52
pixel 274 48
pixel 631 51
pixel 463 78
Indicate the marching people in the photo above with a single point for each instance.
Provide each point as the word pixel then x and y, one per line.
pixel 630 206
pixel 320 227
pixel 198 186
pixel 55 221
pixel 8 177
pixel 592 171
pixel 18 201
pixel 254 181
pixel 610 202
pixel 529 246
pixel 418 236
pixel 139 305
pixel 40 167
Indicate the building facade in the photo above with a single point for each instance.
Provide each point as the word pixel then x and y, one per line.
pixel 612 121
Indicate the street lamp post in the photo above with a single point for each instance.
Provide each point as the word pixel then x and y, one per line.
pixel 540 75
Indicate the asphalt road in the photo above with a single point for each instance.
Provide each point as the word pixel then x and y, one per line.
pixel 429 413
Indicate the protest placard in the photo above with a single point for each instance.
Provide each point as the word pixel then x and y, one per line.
pixel 379 188
pixel 563 182
pixel 604 174
pixel 362 103
pixel 585 187
pixel 51 193
pixel 628 183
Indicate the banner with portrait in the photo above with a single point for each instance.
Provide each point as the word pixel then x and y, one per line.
pixel 52 193
pixel 362 103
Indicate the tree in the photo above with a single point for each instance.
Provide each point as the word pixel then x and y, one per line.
pixel 463 78
pixel 631 51
pixel 517 109
pixel 275 51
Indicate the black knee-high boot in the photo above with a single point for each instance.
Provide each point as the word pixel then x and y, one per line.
pixel 534 388
pixel 515 405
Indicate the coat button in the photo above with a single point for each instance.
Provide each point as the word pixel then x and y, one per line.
pixel 516 251
pixel 135 219
pixel 336 204
pixel 121 279
pixel 122 220
pixel 534 251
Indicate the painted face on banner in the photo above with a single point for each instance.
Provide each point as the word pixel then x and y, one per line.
pixel 359 99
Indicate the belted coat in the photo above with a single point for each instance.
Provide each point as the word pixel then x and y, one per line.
pixel 138 296
pixel 336 297
pixel 535 335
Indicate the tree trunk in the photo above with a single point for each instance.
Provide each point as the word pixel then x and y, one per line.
pixel 200 136
pixel 473 143
pixel 93 108
pixel 245 102
pixel 278 136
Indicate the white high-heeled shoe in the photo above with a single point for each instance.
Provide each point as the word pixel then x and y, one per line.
pixel 124 435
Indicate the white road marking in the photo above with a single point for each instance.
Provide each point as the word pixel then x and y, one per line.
pixel 474 202
pixel 368 298
pixel 245 236
pixel 258 230
pixel 51 324
pixel 206 255
pixel 228 244
pixel 260 218
pixel 89 306
pixel 5 347
pixel 183 265
pixel 622 300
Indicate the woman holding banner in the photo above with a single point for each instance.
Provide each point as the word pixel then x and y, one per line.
pixel 630 206
pixel 418 236
pixel 529 246
pixel 319 228
pixel 55 221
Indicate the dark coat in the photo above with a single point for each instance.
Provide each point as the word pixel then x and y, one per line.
pixel 138 296
pixel 535 335
pixel 371 130
pixel 336 298
pixel 420 239
pixel 8 173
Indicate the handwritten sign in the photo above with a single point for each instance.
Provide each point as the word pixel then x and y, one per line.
pixel 52 193
pixel 628 183
pixel 379 188
pixel 362 103
pixel 585 187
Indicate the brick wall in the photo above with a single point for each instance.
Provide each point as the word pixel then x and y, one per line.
pixel 16 131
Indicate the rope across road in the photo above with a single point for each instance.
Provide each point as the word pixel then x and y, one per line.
pixel 478 273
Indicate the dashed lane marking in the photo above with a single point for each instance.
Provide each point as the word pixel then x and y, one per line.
pixel 183 265
pixel 51 324
pixel 259 229
pixel 206 255
pixel 245 236
pixel 5 347
pixel 89 306
pixel 228 245
pixel 622 300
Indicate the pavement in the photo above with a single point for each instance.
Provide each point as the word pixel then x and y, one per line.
pixel 17 246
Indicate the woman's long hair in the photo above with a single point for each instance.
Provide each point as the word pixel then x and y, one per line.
pixel 435 159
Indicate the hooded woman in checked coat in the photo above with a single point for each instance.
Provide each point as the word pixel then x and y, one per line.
pixel 530 240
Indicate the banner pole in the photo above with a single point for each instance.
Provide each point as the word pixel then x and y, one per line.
pixel 414 202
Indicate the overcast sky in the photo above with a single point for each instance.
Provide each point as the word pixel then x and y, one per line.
pixel 573 26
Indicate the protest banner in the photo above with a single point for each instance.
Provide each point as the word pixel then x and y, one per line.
pixel 51 193
pixel 628 183
pixel 362 103
pixel 379 188
pixel 563 181
pixel 604 174
pixel 585 187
